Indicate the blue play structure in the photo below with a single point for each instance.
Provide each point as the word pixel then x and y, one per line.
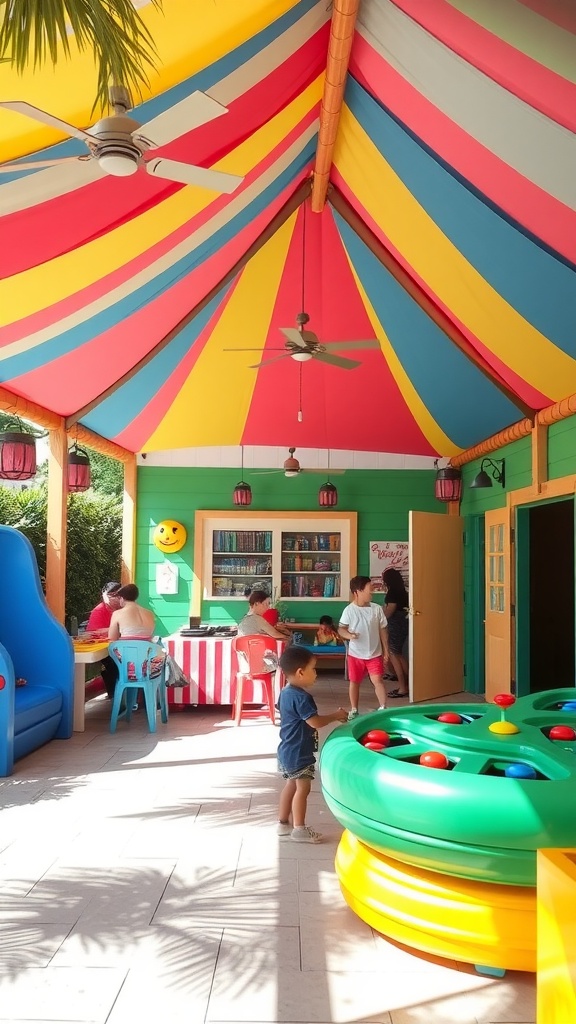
pixel 33 646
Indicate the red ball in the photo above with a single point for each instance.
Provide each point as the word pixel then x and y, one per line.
pixel 562 732
pixel 434 759
pixel 373 746
pixel 504 700
pixel 377 736
pixel 450 717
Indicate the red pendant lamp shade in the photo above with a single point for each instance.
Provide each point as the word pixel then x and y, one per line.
pixel 448 484
pixel 327 495
pixel 79 476
pixel 17 456
pixel 242 492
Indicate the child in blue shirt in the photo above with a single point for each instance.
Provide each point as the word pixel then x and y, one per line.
pixel 299 724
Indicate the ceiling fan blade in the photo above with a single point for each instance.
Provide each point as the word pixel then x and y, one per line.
pixel 344 364
pixel 331 346
pixel 20 107
pixel 325 472
pixel 266 362
pixel 37 165
pixel 183 117
pixel 300 338
pixel 188 174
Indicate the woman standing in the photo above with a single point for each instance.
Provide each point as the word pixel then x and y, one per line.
pixel 396 612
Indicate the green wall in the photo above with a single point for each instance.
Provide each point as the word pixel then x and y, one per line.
pixel 382 499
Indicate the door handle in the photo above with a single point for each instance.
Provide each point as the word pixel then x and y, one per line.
pixel 412 611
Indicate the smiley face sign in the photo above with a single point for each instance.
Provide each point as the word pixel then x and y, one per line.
pixel 169 536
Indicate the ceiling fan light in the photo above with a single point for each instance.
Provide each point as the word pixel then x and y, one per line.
pixel 301 357
pixel 120 165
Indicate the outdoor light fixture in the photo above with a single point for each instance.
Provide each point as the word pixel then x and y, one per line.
pixel 17 452
pixel 79 474
pixel 242 492
pixel 448 485
pixel 497 471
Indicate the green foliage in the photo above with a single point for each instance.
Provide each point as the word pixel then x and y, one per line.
pixel 94 540
pixel 33 32
pixel 107 475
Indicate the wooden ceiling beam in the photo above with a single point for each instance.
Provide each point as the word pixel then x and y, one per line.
pixel 344 14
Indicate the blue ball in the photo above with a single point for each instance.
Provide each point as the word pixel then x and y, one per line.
pixel 520 771
pixel 570 705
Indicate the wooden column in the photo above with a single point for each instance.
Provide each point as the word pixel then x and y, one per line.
pixel 129 521
pixel 539 455
pixel 57 522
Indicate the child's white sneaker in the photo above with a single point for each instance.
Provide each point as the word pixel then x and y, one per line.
pixel 283 828
pixel 303 834
pixel 352 714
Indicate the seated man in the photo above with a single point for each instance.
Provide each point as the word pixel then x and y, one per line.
pixel 99 622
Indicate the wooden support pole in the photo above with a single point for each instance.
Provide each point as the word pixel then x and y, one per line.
pixel 57 522
pixel 29 410
pixel 129 521
pixel 539 455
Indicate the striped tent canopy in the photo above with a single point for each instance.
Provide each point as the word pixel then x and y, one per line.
pixel 138 307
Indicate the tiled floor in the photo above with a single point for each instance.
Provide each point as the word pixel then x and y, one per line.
pixel 141 880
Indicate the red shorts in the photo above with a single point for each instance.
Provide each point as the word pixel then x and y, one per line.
pixel 358 667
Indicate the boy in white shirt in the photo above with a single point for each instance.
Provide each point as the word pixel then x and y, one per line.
pixel 365 626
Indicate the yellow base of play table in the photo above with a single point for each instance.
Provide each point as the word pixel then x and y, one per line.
pixel 481 923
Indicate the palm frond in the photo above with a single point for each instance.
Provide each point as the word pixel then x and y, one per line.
pixel 34 32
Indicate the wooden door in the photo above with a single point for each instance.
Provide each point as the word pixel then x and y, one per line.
pixel 436 605
pixel 498 559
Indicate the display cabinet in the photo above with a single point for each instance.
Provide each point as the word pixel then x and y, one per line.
pixel 294 555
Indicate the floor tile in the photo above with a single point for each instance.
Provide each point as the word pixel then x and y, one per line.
pixel 159 890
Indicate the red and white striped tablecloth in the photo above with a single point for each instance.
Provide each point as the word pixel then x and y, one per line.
pixel 210 665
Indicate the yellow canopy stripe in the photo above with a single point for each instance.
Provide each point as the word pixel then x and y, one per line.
pixel 445 270
pixel 42 286
pixel 189 35
pixel 213 403
pixel 426 422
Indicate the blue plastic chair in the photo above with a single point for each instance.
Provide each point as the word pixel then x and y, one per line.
pixel 141 666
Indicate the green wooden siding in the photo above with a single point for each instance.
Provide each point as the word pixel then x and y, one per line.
pixel 382 499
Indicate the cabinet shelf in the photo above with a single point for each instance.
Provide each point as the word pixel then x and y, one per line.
pixel 223 570
pixel 241 554
pixel 310 572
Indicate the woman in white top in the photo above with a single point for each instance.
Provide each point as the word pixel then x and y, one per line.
pixel 254 621
pixel 131 621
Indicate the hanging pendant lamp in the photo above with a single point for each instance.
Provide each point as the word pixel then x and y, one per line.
pixel 79 472
pixel 242 492
pixel 17 452
pixel 448 484
pixel 328 495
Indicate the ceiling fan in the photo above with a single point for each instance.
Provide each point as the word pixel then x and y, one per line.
pixel 120 145
pixel 292 467
pixel 302 344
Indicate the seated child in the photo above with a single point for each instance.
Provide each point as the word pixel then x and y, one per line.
pixel 326 634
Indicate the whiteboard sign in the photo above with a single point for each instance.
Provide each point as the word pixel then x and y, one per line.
pixel 166 578
pixel 388 554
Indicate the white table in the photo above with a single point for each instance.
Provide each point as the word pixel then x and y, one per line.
pixel 81 659
pixel 210 665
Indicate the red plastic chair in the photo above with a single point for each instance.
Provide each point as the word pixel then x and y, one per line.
pixel 250 651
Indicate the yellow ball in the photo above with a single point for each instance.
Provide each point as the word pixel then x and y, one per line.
pixel 169 536
pixel 504 728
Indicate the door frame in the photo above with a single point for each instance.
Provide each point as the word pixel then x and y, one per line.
pixel 476 671
pixel 522 570
pixel 535 494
